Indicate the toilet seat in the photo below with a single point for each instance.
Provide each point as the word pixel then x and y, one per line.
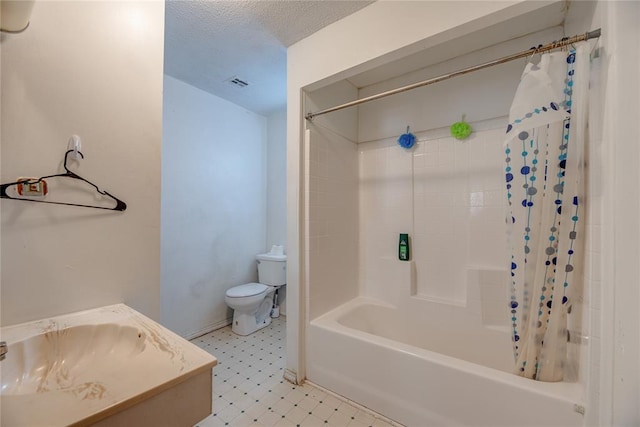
pixel 246 290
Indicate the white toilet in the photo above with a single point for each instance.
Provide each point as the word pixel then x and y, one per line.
pixel 252 303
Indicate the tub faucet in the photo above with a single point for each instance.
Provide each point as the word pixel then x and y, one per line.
pixel 3 349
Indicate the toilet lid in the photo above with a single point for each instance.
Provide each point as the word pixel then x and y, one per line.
pixel 248 290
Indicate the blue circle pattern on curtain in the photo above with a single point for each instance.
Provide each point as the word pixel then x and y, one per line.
pixel 527 184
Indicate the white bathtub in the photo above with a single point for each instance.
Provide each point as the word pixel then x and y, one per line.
pixel 375 355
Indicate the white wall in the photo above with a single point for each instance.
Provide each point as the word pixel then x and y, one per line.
pixel 615 257
pixel 623 210
pixel 331 202
pixel 277 179
pixel 277 188
pixel 92 69
pixel 480 95
pixel 375 35
pixel 332 227
pixel 214 205
pixel 613 232
pixel 447 194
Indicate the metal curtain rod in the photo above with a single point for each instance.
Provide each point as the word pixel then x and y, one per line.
pixel 551 46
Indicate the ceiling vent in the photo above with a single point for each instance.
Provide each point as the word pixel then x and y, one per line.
pixel 237 81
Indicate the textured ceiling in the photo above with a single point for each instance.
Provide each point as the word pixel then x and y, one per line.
pixel 207 43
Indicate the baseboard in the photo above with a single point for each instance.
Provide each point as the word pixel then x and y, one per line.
pixel 291 376
pixel 209 328
pixel 214 326
pixel 355 404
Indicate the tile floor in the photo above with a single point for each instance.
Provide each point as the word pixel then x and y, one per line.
pixel 249 390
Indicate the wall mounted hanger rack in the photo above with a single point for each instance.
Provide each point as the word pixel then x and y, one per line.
pixel 566 41
pixel 120 205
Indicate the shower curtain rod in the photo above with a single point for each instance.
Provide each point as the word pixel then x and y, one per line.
pixel 551 46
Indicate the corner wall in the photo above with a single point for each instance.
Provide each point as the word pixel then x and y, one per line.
pixel 277 179
pixel 332 230
pixel 93 69
pixel 331 202
pixel 619 326
pixel 214 205
pixel 613 233
pixel 277 188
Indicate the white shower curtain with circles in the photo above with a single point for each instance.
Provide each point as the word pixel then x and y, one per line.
pixel 544 157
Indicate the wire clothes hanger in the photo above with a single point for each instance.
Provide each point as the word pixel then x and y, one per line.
pixel 120 205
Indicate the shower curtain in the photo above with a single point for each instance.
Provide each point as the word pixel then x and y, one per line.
pixel 544 157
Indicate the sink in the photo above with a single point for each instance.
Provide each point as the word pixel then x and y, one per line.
pixel 55 360
pixel 105 366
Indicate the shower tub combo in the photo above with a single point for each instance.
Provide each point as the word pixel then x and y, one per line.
pixel 374 354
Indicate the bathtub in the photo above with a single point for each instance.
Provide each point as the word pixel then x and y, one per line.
pixel 399 363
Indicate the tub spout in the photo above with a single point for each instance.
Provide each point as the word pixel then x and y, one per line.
pixel 3 349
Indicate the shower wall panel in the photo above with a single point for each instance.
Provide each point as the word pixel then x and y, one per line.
pixel 447 194
pixel 386 210
pixel 332 226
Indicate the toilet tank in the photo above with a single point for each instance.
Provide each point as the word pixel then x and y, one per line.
pixel 272 269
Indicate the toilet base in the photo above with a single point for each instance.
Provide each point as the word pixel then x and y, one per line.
pixel 245 324
pixel 248 323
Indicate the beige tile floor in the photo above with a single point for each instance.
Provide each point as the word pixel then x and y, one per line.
pixel 248 388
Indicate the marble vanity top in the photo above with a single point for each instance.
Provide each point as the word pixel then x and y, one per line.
pixel 80 368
